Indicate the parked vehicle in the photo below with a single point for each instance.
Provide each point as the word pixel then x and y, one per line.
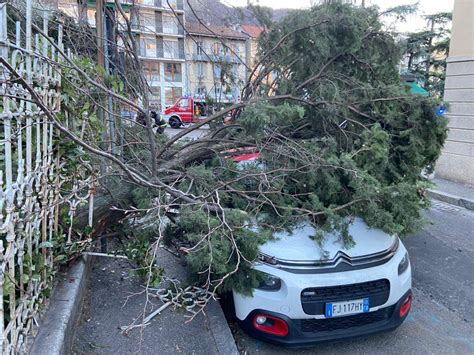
pixel 185 110
pixel 312 294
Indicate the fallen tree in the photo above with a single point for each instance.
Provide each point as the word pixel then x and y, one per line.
pixel 338 133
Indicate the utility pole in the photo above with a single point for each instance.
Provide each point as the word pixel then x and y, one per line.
pixel 103 61
pixel 99 25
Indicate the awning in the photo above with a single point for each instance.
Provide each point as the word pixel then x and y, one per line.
pixel 417 90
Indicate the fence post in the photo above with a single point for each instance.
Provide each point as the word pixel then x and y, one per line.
pixel 3 30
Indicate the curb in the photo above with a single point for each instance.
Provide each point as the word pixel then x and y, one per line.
pixel 452 199
pixel 220 330
pixel 56 331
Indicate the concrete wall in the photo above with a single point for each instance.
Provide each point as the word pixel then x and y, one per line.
pixel 457 160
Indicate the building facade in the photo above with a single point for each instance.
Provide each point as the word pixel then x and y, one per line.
pixel 216 62
pixel 457 159
pixel 253 32
pixel 159 33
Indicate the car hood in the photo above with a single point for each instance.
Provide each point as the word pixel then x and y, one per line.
pixel 299 245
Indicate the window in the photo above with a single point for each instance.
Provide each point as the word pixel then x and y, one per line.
pixel 91 17
pixel 217 71
pixel 235 71
pixel 226 49
pixel 170 49
pixel 199 48
pixel 234 50
pixel 201 91
pixel 173 72
pixel 123 20
pixel 172 95
pixel 147 22
pixel 152 72
pixel 169 25
pixel 155 96
pixel 120 44
pixel 217 91
pixel 147 2
pixel 173 4
pixel 200 70
pixel 216 48
pixel 184 103
pixel 148 47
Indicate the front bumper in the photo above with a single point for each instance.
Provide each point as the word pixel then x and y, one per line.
pixel 287 303
pixel 306 332
pixel 287 300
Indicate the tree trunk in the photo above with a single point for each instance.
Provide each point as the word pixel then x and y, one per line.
pixel 104 214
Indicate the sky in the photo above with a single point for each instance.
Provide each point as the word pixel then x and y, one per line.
pixel 413 23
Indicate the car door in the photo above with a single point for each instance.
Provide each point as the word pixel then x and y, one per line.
pixel 185 109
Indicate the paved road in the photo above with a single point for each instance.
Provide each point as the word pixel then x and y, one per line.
pixel 442 317
pixel 170 132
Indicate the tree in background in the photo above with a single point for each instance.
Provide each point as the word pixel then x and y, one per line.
pixel 426 52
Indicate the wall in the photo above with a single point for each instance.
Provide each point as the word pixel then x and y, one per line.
pixel 206 80
pixel 457 160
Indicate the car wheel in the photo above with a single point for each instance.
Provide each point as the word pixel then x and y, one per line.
pixel 175 122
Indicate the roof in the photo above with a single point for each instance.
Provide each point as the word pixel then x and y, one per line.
pixel 195 28
pixel 252 30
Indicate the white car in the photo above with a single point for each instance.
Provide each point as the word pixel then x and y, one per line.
pixel 313 294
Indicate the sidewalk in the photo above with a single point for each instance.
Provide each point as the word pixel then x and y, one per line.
pixel 454 193
pixel 114 298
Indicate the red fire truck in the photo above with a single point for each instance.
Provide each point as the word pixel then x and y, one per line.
pixel 186 110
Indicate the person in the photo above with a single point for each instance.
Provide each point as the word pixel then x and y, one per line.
pixel 141 119
pixel 159 121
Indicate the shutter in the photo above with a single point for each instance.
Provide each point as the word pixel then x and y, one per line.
pixel 159 47
pixel 181 48
pixel 180 27
pixel 159 22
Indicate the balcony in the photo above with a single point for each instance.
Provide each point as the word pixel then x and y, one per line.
pixel 229 58
pixel 176 5
pixel 122 2
pixel 223 97
pixel 200 57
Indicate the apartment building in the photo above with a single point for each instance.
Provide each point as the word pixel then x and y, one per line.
pixel 159 33
pixel 253 32
pixel 216 61
pixel 457 158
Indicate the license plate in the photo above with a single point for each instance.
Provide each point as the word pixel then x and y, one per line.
pixel 344 308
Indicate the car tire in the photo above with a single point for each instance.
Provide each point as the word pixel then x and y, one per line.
pixel 175 122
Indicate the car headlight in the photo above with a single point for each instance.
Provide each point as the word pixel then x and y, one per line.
pixel 404 263
pixel 269 282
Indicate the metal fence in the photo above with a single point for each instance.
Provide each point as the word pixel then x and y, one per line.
pixel 33 187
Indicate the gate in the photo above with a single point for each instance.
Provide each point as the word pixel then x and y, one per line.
pixel 33 189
